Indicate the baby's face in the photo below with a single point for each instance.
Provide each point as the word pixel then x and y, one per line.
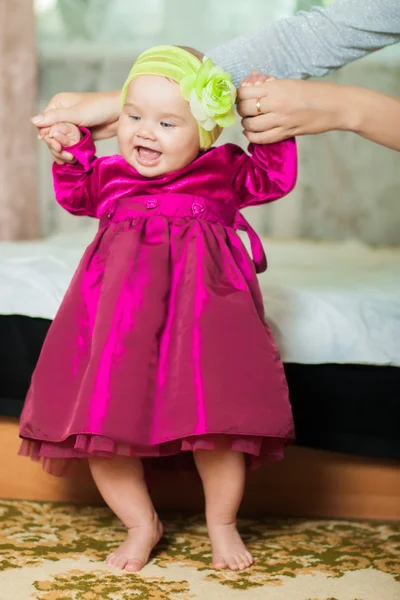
pixel 157 133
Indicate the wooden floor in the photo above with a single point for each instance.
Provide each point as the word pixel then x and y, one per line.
pixel 307 483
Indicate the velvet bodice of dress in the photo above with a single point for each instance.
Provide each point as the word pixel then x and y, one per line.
pixel 225 174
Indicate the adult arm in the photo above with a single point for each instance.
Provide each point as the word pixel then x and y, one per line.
pixel 313 43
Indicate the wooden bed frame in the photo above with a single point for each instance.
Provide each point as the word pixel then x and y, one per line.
pixel 309 483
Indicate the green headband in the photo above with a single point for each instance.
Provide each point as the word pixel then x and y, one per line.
pixel 208 89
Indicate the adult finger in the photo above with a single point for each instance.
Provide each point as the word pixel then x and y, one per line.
pixel 251 92
pixel 266 137
pixel 251 108
pixel 56 115
pixel 263 122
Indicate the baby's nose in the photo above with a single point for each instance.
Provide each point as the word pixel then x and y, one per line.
pixel 146 132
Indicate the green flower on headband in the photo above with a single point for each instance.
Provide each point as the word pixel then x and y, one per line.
pixel 211 95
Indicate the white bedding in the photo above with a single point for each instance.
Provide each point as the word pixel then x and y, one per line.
pixel 326 303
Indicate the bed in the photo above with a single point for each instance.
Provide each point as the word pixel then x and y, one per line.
pixel 334 309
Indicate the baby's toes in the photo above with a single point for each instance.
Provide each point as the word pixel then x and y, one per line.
pixel 233 563
pixel 244 562
pixel 219 562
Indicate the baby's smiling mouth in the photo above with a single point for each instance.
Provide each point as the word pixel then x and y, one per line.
pixel 147 156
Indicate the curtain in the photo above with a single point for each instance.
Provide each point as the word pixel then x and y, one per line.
pixel 18 147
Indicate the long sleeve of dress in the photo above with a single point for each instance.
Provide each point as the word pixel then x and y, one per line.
pixel 76 186
pixel 313 43
pixel 268 173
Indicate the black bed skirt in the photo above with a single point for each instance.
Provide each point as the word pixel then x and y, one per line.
pixel 343 408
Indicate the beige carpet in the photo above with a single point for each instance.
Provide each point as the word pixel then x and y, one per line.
pixel 56 552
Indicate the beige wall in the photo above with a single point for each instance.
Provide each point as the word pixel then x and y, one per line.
pixel 18 144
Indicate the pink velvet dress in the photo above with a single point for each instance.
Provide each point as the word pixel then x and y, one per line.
pixel 160 345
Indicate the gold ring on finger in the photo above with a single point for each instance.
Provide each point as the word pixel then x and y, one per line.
pixel 258 106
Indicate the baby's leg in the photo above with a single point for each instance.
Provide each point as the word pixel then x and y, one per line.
pixel 223 476
pixel 121 483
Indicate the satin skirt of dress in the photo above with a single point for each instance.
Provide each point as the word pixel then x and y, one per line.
pixel 159 347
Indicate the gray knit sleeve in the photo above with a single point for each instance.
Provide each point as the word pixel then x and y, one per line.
pixel 313 43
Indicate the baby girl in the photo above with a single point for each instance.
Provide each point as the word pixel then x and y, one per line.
pixel 160 345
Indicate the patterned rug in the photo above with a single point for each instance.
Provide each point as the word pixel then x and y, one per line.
pixel 56 552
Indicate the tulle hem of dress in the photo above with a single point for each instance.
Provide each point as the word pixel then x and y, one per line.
pixel 55 457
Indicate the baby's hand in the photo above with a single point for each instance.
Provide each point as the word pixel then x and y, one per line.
pixel 255 78
pixel 59 136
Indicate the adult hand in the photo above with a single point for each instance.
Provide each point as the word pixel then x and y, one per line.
pixel 274 110
pixel 99 111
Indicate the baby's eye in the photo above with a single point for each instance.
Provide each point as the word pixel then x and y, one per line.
pixel 134 117
pixel 166 125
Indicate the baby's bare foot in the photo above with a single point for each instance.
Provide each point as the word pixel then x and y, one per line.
pixel 228 549
pixel 134 552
